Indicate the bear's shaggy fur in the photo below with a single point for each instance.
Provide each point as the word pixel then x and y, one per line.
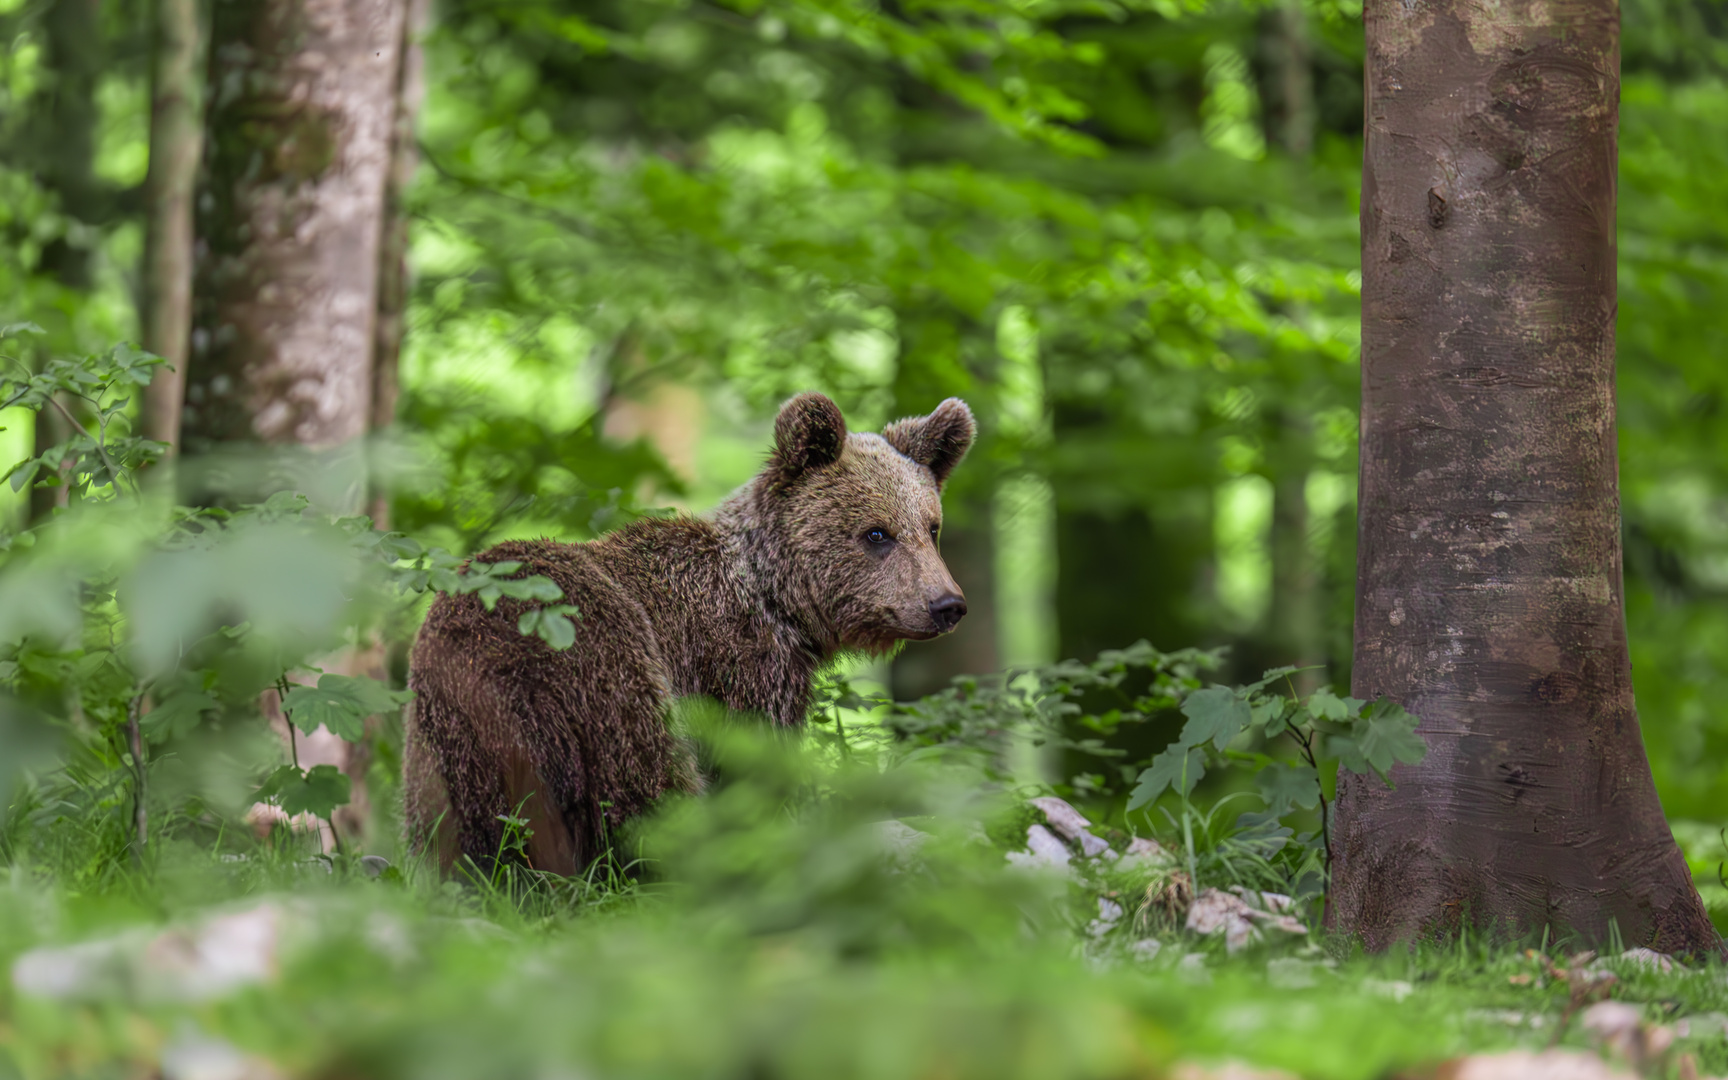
pixel 831 547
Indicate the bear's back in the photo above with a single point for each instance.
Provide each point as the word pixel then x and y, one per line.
pixel 518 727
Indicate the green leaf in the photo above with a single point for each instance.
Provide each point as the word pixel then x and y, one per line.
pixel 1178 768
pixel 176 715
pixel 319 791
pixel 1326 705
pixel 1271 676
pixel 1284 786
pixel 1217 713
pixel 556 630
pixel 14 329
pixel 24 472
pixel 341 703
pixel 1387 735
pixel 1267 714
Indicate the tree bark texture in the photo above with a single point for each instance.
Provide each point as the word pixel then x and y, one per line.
pixel 1489 595
pixel 393 277
pixel 290 218
pixel 176 136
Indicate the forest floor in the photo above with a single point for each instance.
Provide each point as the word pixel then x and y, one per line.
pixel 263 967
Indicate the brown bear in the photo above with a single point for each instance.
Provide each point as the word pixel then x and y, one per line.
pixel 831 548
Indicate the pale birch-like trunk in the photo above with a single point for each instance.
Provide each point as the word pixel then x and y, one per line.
pixel 300 150
pixel 290 221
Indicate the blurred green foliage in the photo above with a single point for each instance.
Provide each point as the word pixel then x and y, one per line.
pixel 1092 221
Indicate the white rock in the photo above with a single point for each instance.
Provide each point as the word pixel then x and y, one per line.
pixel 214 958
pixel 1146 949
pixel 212 1059
pixel 1647 958
pixel 1509 1017
pixel 1710 1025
pixel 1146 848
pixel 1215 911
pixel 1229 1070
pixel 899 841
pixel 1109 912
pixel 1611 1019
pixel 1526 1065
pixel 1044 851
pixel 1072 824
pixel 183 963
pixel 1396 989
pixel 89 969
pixel 1289 973
pixel 1290 924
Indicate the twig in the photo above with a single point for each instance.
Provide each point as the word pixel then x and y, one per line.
pixel 1307 745
pixel 287 721
pixel 140 811
pixel 113 470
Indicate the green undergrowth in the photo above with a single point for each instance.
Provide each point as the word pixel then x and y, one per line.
pixel 770 929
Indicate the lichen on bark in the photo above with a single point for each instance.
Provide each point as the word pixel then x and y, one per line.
pixel 289 217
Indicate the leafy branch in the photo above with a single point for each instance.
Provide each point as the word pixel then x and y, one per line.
pixel 104 383
pixel 1362 737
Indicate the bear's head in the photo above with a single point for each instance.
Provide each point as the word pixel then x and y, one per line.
pixel 859 518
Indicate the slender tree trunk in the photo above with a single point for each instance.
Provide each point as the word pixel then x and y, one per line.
pixel 936 343
pixel 176 136
pixel 1292 631
pixel 1489 596
pixel 65 136
pixel 969 549
pixel 63 143
pixel 393 279
pixel 290 221
pixel 1288 88
pixel 1142 570
pixel 1293 616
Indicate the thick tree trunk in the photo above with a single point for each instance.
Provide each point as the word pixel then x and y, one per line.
pixel 300 140
pixel 1489 590
pixel 290 219
pixel 176 136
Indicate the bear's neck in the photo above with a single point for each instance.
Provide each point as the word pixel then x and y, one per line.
pixel 767 568
pixel 732 616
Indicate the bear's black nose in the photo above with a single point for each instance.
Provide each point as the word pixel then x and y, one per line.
pixel 947 611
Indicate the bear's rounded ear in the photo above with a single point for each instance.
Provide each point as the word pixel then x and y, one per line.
pixel 938 441
pixel 808 434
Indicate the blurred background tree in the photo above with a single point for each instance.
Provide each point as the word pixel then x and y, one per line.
pixel 1125 232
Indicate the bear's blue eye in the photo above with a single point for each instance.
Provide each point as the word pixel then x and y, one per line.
pixel 877 536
